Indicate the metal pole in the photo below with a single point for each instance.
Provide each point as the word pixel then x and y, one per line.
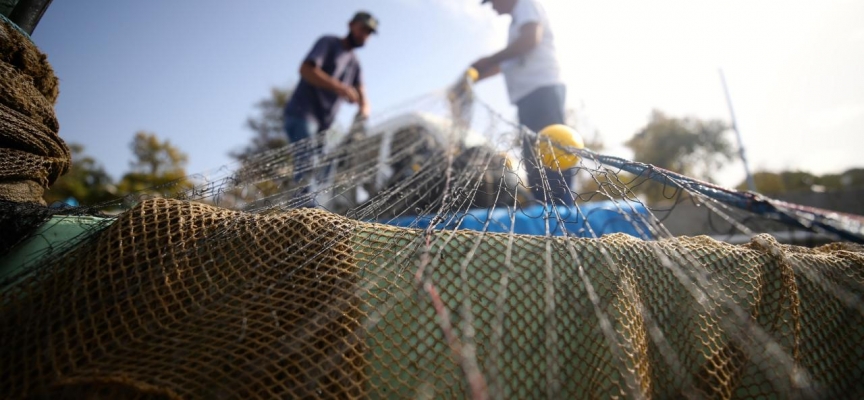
pixel 751 186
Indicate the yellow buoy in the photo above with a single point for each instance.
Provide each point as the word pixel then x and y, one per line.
pixel 561 135
pixel 472 74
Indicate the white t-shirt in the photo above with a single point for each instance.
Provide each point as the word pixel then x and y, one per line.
pixel 537 68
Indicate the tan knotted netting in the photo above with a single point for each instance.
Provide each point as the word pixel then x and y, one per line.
pixel 32 155
pixel 185 300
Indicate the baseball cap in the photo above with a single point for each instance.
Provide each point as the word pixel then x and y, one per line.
pixel 367 19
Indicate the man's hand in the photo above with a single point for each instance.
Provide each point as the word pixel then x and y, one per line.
pixel 348 93
pixel 530 35
pixel 362 101
pixel 362 114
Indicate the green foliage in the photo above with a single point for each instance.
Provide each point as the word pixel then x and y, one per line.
pixel 689 146
pixel 772 184
pixel 157 168
pixel 268 134
pixel 87 182
pixel 268 126
pixel 153 157
pixel 853 178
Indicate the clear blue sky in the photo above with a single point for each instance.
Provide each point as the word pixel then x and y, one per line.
pixel 191 71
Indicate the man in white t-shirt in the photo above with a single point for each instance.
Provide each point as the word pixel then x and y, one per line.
pixel 530 67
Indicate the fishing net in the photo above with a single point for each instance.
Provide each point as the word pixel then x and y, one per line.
pixel 413 261
pixel 188 300
pixel 32 155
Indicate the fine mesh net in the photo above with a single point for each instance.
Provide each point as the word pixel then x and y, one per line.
pixel 411 259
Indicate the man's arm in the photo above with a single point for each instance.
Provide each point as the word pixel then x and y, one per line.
pixel 318 78
pixel 489 72
pixel 530 35
pixel 362 101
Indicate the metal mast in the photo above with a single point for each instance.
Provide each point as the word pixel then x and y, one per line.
pixel 751 186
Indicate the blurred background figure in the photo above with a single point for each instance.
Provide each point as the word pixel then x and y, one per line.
pixel 329 74
pixel 530 67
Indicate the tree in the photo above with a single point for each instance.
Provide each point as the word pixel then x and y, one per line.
pixel 688 146
pixel 772 184
pixel 268 125
pixel 158 168
pixel 255 179
pixel 852 178
pixel 86 182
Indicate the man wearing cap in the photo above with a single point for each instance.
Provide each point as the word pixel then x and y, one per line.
pixel 330 73
pixel 530 67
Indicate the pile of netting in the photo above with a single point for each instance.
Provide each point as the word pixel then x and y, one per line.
pixel 410 278
pixel 184 300
pixel 32 155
